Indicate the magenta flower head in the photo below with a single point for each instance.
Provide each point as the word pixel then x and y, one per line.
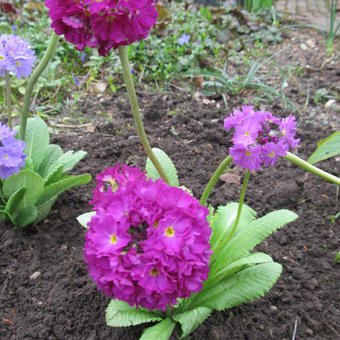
pixel 260 138
pixel 103 24
pixel 16 56
pixel 148 243
pixel 12 156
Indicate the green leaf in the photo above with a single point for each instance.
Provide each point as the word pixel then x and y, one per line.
pixel 245 286
pixel 236 266
pixel 44 209
pixel 327 148
pixel 167 166
pixel 15 200
pixel 29 180
pixel 84 219
pixel 36 140
pixel 161 331
pixel 337 257
pixel 26 216
pixel 191 319
pixel 249 236
pixel 52 155
pixel 55 176
pixel 59 187
pixel 121 314
pixel 68 160
pixel 224 220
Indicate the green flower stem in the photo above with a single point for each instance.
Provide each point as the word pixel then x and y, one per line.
pixel 123 54
pixel 237 220
pixel 8 99
pixel 33 80
pixel 213 180
pixel 312 169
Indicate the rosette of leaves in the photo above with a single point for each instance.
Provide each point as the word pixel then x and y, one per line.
pixel 27 197
pixel 238 274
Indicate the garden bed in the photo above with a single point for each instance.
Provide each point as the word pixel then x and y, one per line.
pixel 46 292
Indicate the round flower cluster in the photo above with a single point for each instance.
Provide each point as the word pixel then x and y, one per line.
pixel 102 24
pixel 12 156
pixel 260 138
pixel 15 56
pixel 148 243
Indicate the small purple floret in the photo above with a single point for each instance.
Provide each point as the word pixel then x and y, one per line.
pixel 148 243
pixel 12 155
pixel 260 138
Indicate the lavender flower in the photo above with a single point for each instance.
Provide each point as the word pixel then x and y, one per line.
pixel 12 156
pixel 260 138
pixel 184 39
pixel 15 56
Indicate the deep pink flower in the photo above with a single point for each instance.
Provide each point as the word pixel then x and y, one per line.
pixel 148 243
pixel 104 24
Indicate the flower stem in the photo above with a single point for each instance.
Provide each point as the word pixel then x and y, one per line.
pixel 123 54
pixel 213 180
pixel 32 81
pixel 8 99
pixel 237 220
pixel 311 168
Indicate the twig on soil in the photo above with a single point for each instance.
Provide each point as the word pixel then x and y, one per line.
pixel 295 329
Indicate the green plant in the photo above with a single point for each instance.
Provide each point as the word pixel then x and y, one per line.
pixel 28 196
pixel 327 148
pixel 255 5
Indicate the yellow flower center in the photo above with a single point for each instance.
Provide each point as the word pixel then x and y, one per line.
pixel 169 232
pixel 272 154
pixel 113 238
pixel 154 272
pixel 2 57
pixel 18 63
pixel 248 153
pixel 283 132
pixel 247 133
pixel 156 224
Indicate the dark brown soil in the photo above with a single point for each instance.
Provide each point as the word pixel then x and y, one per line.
pixel 63 303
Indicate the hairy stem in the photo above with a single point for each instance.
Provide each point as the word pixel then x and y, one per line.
pixel 237 220
pixel 33 80
pixel 311 168
pixel 213 180
pixel 8 99
pixel 123 54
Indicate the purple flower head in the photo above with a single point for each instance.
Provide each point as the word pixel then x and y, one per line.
pixel 183 39
pixel 12 155
pixel 102 24
pixel 15 56
pixel 260 138
pixel 148 243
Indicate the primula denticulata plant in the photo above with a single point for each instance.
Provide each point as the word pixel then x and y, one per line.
pixel 159 252
pixel 33 172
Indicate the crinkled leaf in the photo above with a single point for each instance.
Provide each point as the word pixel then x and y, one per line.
pixel 59 187
pixel 55 176
pixel 84 219
pixel 26 217
pixel 52 155
pixel 245 286
pixel 167 165
pixel 236 266
pixel 29 180
pixel 191 319
pixel 121 314
pixel 327 148
pixel 68 160
pixel 44 209
pixel 36 140
pixel 15 200
pixel 224 220
pixel 161 331
pixel 245 240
